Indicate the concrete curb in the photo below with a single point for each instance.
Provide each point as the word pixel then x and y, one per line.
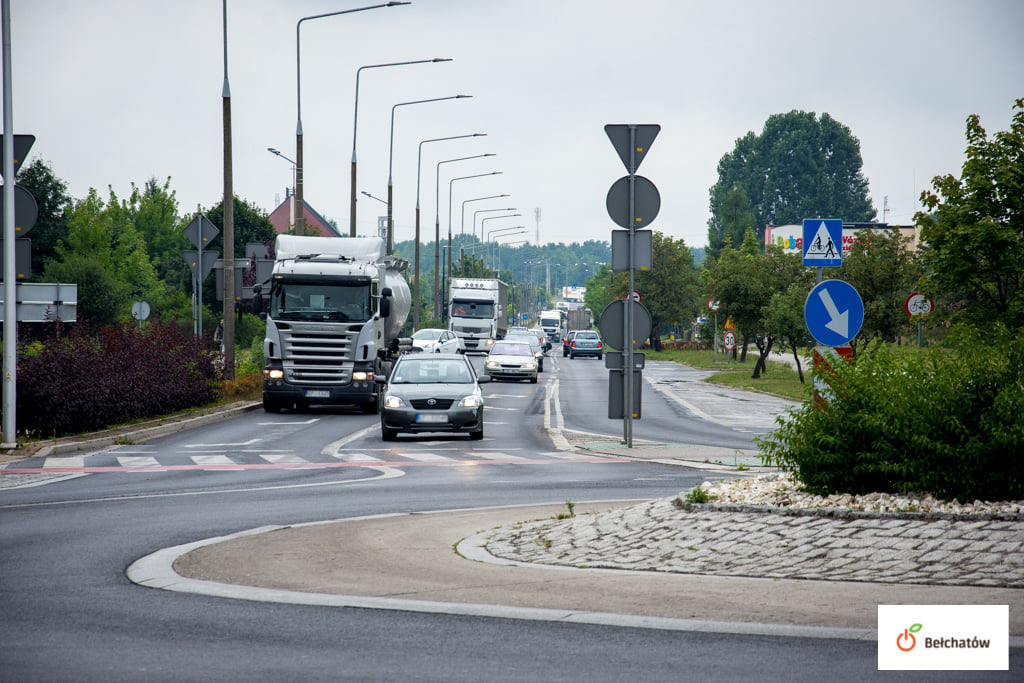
pixel 147 433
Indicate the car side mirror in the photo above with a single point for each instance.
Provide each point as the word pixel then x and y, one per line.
pixel 483 379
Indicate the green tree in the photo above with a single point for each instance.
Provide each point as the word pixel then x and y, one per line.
pixel 799 166
pixel 51 195
pixel 736 219
pixel 103 236
pixel 101 296
pixel 671 288
pixel 974 228
pixel 251 224
pixel 745 280
pixel 884 271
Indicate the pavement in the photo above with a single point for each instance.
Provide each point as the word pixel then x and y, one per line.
pixel 650 564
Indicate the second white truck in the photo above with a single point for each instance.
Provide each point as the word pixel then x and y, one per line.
pixel 478 312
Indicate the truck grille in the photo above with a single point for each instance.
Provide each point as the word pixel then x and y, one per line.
pixel 318 354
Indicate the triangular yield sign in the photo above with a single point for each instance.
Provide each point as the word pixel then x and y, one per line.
pixel 618 133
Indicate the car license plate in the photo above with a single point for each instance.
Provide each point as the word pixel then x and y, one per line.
pixel 318 393
pixel 432 417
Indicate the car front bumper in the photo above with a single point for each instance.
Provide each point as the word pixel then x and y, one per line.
pixel 454 419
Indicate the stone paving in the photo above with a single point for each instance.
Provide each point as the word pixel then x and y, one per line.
pixel 667 535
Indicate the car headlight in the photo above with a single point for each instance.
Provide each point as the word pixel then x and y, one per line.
pixel 492 364
pixel 393 402
pixel 471 401
pixel 530 366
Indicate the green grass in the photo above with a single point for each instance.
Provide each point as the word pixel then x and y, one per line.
pixel 780 379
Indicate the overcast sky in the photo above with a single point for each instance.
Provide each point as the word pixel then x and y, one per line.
pixel 118 91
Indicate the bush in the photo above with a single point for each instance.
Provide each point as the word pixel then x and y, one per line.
pixel 83 382
pixel 947 421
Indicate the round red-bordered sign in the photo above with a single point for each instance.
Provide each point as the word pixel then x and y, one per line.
pixel 918 304
pixel 729 340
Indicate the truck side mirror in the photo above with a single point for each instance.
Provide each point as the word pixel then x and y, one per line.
pixel 257 299
pixel 385 302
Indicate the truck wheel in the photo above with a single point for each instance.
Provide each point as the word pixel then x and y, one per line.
pixel 271 406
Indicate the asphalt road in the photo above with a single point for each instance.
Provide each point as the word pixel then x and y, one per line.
pixel 68 611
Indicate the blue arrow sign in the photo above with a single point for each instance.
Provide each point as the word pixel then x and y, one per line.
pixel 823 242
pixel 833 312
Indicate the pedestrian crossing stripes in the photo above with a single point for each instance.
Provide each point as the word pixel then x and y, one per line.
pixel 111 461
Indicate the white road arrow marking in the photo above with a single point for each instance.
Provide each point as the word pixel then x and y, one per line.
pixel 840 322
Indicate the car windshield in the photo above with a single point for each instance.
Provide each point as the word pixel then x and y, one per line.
pixel 509 349
pixel 428 335
pixel 530 339
pixel 431 371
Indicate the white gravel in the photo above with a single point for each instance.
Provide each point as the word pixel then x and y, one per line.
pixel 782 490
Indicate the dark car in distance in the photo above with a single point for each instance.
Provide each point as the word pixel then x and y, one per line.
pixel 430 392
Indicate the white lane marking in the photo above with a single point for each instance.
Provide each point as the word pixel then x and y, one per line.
pixel 223 445
pixel 496 456
pixel 214 460
pixel 426 457
pixel 359 457
pixel 65 461
pixel 279 424
pixel 282 458
pixel 135 461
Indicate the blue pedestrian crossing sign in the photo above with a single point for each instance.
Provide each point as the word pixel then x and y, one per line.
pixel 834 313
pixel 823 242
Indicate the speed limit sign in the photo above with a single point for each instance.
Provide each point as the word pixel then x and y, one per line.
pixel 729 340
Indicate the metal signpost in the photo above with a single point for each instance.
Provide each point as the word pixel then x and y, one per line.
pixel 632 202
pixel 917 306
pixel 833 311
pixel 200 231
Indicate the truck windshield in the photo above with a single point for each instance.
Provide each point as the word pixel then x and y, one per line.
pixel 309 301
pixel 473 309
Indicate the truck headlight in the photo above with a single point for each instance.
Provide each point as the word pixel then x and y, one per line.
pixel 274 373
pixel 489 342
pixel 360 375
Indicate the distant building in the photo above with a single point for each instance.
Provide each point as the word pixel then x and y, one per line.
pixel 283 219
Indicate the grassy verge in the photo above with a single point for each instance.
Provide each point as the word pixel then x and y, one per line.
pixel 780 379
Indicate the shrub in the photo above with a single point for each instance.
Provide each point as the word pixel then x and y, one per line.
pixel 948 421
pixel 86 381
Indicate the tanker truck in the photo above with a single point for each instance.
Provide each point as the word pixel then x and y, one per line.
pixel 334 311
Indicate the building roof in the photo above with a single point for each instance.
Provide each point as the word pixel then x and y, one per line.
pixel 281 219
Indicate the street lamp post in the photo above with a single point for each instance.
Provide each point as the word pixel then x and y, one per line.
pixel 497 248
pixel 437 229
pixel 416 248
pixel 451 185
pixel 475 213
pixel 355 119
pixel 498 231
pixel 300 219
pixel 462 214
pixel 291 199
pixel 391 149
